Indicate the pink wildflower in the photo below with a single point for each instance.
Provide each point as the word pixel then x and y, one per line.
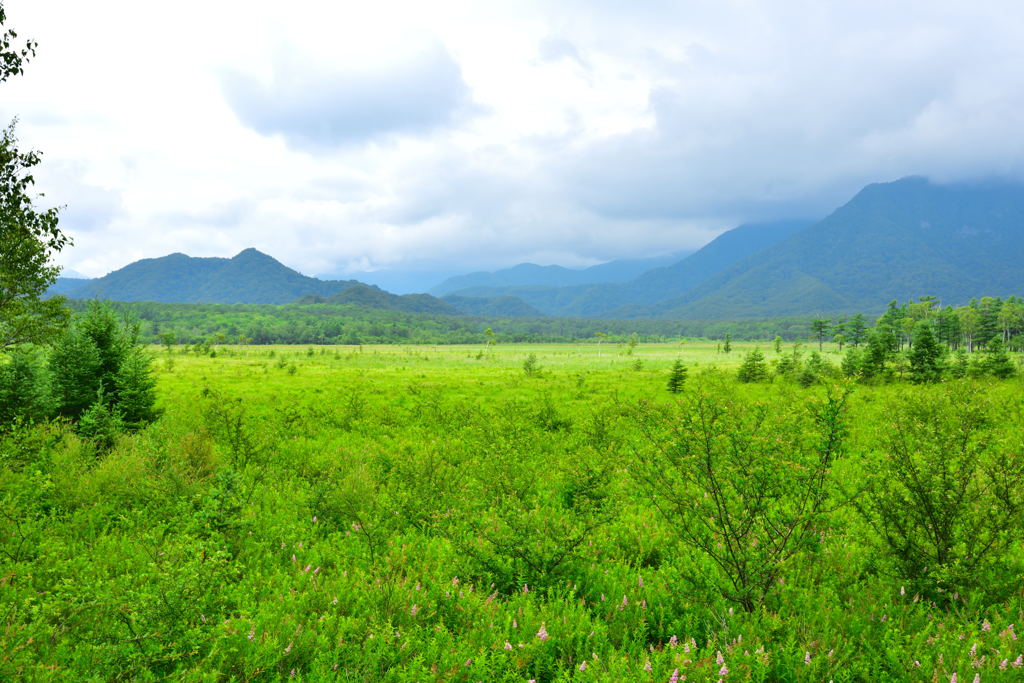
pixel 674 678
pixel 719 658
pixel 647 666
pixel 724 671
pixel 543 632
pixel 1019 662
pixel 583 665
pixel 508 645
pixel 985 626
pixel 414 609
pixel 807 657
pixel 672 642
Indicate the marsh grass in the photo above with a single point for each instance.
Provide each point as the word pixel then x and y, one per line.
pixel 411 513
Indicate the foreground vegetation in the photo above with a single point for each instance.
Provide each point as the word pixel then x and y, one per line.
pixel 516 513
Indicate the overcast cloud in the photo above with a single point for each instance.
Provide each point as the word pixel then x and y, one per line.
pixel 457 136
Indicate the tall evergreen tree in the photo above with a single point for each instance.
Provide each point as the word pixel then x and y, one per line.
pixel 925 355
pixel 856 329
pixel 677 377
pixel 819 326
pixel 99 360
pixel 997 362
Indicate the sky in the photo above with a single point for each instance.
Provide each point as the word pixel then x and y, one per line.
pixel 422 139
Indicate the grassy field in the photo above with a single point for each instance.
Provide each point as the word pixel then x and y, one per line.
pixel 465 513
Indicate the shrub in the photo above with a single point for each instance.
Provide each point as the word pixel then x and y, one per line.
pixel 745 485
pixel 946 495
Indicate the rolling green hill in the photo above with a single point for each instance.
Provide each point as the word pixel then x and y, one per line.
pixel 370 296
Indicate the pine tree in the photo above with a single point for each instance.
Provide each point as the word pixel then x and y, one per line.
pixel 997 362
pixel 24 388
pixel 925 355
pixel 677 377
pixel 754 368
pixel 99 360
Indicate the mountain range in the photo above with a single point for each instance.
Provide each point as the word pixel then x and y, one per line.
pixel 532 275
pixel 895 240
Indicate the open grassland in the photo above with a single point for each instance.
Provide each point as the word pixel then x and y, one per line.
pixel 515 513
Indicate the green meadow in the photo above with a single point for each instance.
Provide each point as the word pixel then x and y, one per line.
pixel 517 513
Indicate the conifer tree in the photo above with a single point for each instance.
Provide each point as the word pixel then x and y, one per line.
pixel 99 360
pixel 925 355
pixel 677 377
pixel 754 368
pixel 997 361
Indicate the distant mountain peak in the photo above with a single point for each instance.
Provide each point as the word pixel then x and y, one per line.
pixel 252 253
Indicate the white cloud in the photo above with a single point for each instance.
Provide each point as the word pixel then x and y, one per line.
pixel 474 135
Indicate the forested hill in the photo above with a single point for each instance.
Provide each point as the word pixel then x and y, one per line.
pixel 630 299
pixel 249 277
pixel 891 241
pixel 375 297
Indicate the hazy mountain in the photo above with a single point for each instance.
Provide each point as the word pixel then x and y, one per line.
pixel 531 275
pixel 632 298
pixel 249 277
pixel 63 285
pixel 895 240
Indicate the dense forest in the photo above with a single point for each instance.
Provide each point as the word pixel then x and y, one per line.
pixel 970 327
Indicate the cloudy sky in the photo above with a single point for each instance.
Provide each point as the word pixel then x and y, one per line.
pixel 443 137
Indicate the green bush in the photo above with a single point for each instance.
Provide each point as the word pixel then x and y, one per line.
pixel 746 487
pixel 945 492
